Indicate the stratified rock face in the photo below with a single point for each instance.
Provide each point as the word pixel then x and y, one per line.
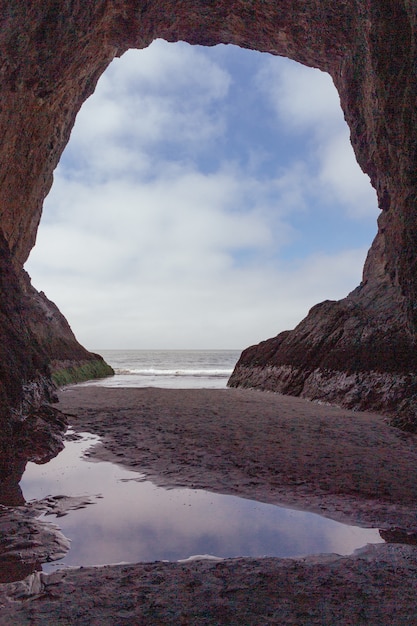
pixel 51 56
pixel 340 354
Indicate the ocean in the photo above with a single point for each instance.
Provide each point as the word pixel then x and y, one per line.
pixel 179 369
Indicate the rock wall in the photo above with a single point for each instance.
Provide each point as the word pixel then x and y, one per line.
pixel 27 428
pixel 52 53
pixel 342 353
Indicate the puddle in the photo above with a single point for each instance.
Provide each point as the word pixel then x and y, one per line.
pixel 133 520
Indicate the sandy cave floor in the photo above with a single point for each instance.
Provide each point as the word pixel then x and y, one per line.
pixel 350 466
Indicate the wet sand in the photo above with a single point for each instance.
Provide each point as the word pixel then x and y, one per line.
pixel 279 449
pixel 352 467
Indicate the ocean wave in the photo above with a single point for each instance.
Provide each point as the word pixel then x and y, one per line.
pixel 212 373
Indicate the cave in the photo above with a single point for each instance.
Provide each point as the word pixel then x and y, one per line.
pixel 358 352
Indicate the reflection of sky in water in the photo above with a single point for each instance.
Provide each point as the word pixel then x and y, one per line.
pixel 137 521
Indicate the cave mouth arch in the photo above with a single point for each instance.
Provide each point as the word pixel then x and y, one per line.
pixel 363 348
pixel 203 123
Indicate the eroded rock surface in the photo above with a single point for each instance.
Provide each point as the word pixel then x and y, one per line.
pixel 375 586
pixel 51 56
pixel 343 353
pixel 27 541
pixel 35 344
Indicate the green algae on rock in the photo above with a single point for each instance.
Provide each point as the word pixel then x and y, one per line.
pixel 67 372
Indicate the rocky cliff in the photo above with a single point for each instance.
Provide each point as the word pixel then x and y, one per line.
pixel 37 352
pixel 52 53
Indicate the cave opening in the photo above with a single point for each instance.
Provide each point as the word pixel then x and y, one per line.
pixel 208 198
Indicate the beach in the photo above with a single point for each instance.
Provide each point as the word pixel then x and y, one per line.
pixel 349 466
pixel 266 446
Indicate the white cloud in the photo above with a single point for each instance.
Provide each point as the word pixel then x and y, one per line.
pixel 142 247
pixel 303 98
pixel 162 95
pixel 341 177
pixel 306 101
pixel 159 265
pixel 173 301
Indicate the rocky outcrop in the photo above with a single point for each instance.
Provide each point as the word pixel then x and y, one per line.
pixel 340 354
pixel 51 56
pixel 37 352
pixel 67 359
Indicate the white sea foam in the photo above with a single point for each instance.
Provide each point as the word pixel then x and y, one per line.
pixel 183 372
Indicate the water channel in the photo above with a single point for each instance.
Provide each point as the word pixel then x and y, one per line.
pixel 132 520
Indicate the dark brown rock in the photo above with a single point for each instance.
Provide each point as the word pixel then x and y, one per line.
pixel 68 361
pixel 36 343
pixel 51 56
pixel 343 353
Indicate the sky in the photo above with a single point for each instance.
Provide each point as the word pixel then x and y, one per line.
pixel 207 198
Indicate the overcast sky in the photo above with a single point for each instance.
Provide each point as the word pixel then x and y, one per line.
pixel 207 199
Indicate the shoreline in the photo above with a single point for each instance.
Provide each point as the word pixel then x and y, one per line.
pixel 352 467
